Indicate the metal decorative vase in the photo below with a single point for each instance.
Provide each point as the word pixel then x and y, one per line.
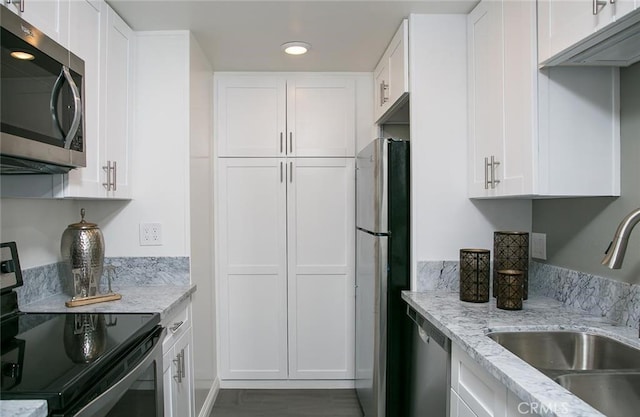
pixel 474 275
pixel 82 249
pixel 511 251
pixel 510 289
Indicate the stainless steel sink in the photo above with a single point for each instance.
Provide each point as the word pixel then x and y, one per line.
pixel 569 350
pixel 613 394
pixel 600 370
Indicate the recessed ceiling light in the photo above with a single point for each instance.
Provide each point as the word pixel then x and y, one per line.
pixel 22 55
pixel 296 48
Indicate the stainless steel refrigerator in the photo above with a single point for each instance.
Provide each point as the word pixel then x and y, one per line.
pixel 383 330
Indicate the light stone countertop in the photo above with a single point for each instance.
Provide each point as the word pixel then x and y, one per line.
pixel 135 299
pixel 23 408
pixel 466 324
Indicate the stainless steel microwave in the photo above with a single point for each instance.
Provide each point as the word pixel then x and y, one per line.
pixel 42 129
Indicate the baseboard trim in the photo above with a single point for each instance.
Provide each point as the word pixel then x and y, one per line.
pixel 287 384
pixel 211 399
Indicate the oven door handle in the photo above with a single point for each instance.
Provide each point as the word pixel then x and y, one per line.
pixel 102 404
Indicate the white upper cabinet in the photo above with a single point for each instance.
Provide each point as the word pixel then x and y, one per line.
pixel 564 23
pixel 321 116
pixel 552 132
pixel 251 114
pixel 285 115
pixel 105 42
pixel 391 76
pixel 86 38
pixel 49 16
pixel 118 95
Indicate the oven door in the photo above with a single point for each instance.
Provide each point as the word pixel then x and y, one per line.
pixel 139 391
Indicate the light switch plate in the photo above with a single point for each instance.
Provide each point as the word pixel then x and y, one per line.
pixel 539 246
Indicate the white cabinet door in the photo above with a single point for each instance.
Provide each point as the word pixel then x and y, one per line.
pixel 87 31
pixel 251 112
pixel 321 116
pixel 398 63
pixel 381 88
pixel 484 395
pixel 184 390
pixel 486 95
pixel 177 363
pixel 252 266
pixel 321 229
pixel 118 91
pixel 169 383
pixel 458 407
pixel 563 23
pixel 105 42
pixel 391 75
pixel 49 16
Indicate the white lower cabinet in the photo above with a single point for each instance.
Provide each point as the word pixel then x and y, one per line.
pixel 286 269
pixel 474 392
pixel 459 408
pixel 177 364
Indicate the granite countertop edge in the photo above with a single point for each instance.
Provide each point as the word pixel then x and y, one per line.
pixel 135 299
pixel 23 408
pixel 467 324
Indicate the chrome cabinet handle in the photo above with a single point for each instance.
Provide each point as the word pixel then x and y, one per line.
pixel 114 182
pixel 107 168
pixel 290 142
pixel 290 172
pixel 598 5
pixel 176 326
pixel 384 88
pixel 486 173
pixel 182 364
pixel 494 181
pixel 281 172
pixel 490 173
pixel 280 142
pixel 20 4
pixel 178 362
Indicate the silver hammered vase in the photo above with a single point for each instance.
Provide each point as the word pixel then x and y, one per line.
pixel 82 249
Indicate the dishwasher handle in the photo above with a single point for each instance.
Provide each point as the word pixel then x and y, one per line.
pixel 431 331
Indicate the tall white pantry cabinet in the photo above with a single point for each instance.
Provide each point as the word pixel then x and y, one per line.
pixel 286 225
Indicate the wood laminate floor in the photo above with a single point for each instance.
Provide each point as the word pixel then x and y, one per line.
pixel 286 403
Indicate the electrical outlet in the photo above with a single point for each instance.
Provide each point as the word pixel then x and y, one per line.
pixel 539 246
pixel 150 234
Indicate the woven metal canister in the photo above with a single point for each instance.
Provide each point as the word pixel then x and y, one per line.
pixel 511 252
pixel 510 289
pixel 474 275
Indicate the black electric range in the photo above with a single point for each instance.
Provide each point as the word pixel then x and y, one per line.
pixel 67 359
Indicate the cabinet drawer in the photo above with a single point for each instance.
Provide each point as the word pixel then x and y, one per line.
pixel 480 391
pixel 459 408
pixel 177 324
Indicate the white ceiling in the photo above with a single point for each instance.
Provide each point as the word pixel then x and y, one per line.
pixel 244 35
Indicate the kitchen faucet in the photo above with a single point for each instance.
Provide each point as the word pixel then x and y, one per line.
pixel 614 255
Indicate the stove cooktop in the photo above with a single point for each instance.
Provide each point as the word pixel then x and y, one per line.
pixel 56 356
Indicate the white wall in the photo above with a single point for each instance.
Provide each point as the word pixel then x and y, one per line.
pixel 160 172
pixel 444 220
pixel 36 226
pixel 202 261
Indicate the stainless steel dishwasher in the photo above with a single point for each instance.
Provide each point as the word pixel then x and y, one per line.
pixel 430 375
